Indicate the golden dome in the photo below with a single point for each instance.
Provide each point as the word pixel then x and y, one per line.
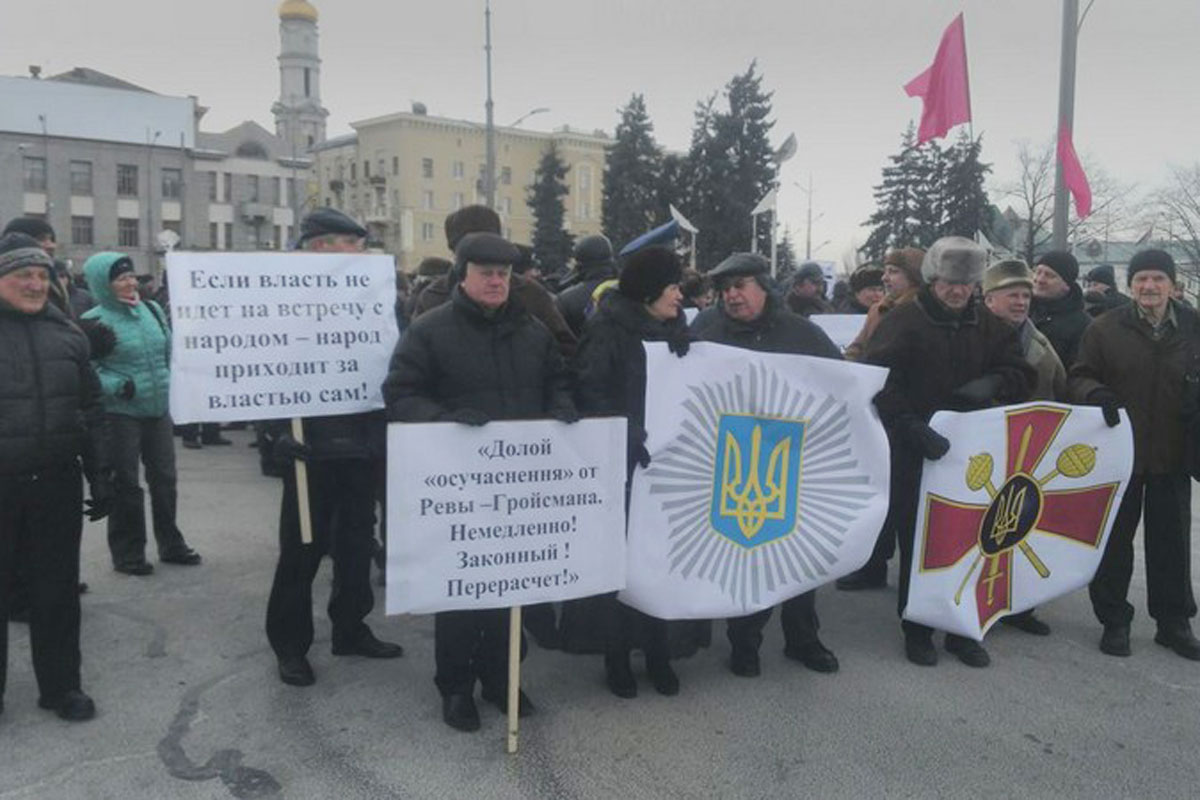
pixel 297 9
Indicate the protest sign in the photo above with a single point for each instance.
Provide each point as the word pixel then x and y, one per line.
pixel 274 335
pixel 507 514
pixel 1016 513
pixel 843 329
pixel 768 478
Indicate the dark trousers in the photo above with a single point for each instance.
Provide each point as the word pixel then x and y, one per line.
pixel 1166 501
pixel 205 432
pixel 149 439
pixel 625 628
pixel 341 497
pixel 41 519
pixel 797 615
pixel 906 489
pixel 469 645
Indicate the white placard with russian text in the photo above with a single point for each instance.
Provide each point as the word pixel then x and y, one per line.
pixel 277 335
pixel 507 514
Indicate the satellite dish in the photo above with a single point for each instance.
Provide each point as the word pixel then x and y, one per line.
pixel 168 240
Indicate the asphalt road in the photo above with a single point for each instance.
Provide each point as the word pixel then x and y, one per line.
pixel 190 706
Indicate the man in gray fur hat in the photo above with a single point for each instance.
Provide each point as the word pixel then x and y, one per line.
pixel 944 350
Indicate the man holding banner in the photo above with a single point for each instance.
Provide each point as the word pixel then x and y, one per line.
pixel 752 316
pixel 343 453
pixel 945 351
pixel 478 358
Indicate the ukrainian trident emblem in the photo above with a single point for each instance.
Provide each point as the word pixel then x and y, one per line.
pixel 1024 507
pixel 758 466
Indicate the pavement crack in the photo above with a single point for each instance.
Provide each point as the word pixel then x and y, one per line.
pixel 226 764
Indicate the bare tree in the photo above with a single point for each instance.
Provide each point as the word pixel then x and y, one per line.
pixel 1178 206
pixel 1031 198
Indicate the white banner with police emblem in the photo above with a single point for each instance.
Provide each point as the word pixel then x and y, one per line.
pixel 1016 514
pixel 768 478
pixel 506 514
pixel 272 335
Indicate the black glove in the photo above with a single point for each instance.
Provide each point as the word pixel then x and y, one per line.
pixel 288 449
pixel 1109 404
pixel 680 344
pixel 929 442
pixel 979 393
pixel 127 390
pixel 466 416
pixel 641 456
pixel 99 504
pixel 566 414
pixel 101 338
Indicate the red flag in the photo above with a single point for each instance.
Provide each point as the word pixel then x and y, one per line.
pixel 944 88
pixel 1073 176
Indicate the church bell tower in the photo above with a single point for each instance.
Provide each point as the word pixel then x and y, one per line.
pixel 299 115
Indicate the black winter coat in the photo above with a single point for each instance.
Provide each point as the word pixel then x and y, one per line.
pixel 573 301
pixel 776 330
pixel 50 412
pixel 610 365
pixel 931 352
pixel 1096 303
pixel 1063 322
pixel 1119 353
pixel 455 356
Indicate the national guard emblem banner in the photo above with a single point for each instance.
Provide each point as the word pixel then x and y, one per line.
pixel 1016 514
pixel 768 478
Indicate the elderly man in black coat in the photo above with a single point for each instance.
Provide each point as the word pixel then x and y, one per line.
pixel 1057 309
pixel 477 358
pixel 944 350
pixel 52 432
pixel 751 315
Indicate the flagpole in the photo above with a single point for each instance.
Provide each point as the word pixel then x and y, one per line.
pixel 1066 116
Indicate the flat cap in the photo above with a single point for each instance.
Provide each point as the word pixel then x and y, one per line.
pixel 325 221
pixel 1010 272
pixel 485 248
pixel 739 264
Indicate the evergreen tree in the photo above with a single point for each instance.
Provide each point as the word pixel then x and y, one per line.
pixel 966 206
pixel 897 219
pixel 631 176
pixel 552 243
pixel 785 255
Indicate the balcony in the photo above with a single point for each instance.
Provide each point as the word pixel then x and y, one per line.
pixel 254 212
pixel 378 214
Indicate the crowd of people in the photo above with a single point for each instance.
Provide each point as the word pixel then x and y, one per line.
pixel 83 396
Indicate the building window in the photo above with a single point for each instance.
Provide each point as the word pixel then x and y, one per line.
pixel 174 226
pixel 252 188
pixel 127 180
pixel 395 165
pixel 584 179
pixel 427 200
pixel 291 192
pixel 278 243
pixel 277 191
pixel 353 170
pixel 426 167
pixel 172 183
pixel 82 231
pixel 212 188
pixel 457 170
pixel 127 233
pixel 214 241
pixel 506 176
pixel 458 200
pixel 81 179
pixel 228 187
pixel 228 235
pixel 427 232
pixel 366 169
pixel 35 174
pixel 307 82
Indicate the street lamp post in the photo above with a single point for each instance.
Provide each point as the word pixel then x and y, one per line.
pixel 527 115
pixel 1066 115
pixel 489 178
pixel 150 143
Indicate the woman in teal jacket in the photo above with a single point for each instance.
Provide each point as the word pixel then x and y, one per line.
pixel 135 378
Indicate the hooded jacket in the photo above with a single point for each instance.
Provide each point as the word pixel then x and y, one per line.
pixel 1063 321
pixel 143 350
pixel 50 412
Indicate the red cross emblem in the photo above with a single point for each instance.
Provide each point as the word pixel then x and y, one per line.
pixel 1021 506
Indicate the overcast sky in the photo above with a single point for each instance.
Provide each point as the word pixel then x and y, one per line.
pixel 836 69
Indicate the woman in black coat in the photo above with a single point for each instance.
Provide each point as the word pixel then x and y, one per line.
pixel 611 369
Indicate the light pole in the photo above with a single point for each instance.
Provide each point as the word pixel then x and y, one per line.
pixel 527 115
pixel 1066 115
pixel 785 151
pixel 46 171
pixel 150 142
pixel 489 178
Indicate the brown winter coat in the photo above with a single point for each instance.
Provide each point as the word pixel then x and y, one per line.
pixel 1117 352
pixel 858 347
